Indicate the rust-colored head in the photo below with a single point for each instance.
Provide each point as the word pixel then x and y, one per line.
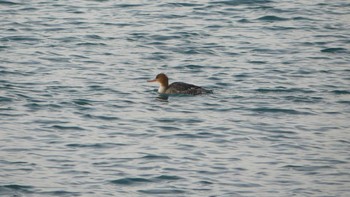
pixel 162 79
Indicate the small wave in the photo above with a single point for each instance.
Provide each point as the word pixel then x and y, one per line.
pixel 247 185
pixel 101 117
pixel 302 18
pixel 128 5
pixel 205 182
pixel 278 110
pixel 179 120
pixel 11 115
pixel 180 5
pixel 93 36
pixel 169 128
pixel 283 90
pixel 307 168
pixel 16 187
pixel 194 51
pixel 9 190
pixel 131 181
pixel 280 28
pixel 5 99
pixel 167 177
pixel 240 2
pixel 190 66
pixel 344 102
pixel 152 156
pixel 138 180
pixel 179 135
pixel 82 102
pixel 257 62
pixel 303 99
pixel 96 145
pixel 334 50
pixel 272 18
pixel 162 191
pixel 57 59
pixel 61 193
pixel 3 47
pixel 164 37
pixel 3 2
pixel 341 92
pixel 91 44
pixel 60 127
pixel 19 38
pixel 244 21
pixel 172 16
pixel 193 136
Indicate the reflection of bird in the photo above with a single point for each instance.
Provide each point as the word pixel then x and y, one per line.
pixel 177 87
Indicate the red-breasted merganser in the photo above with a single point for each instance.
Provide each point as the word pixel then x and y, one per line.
pixel 177 87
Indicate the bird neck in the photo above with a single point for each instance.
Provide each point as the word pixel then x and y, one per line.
pixel 162 89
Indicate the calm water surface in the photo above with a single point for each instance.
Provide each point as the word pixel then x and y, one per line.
pixel 77 117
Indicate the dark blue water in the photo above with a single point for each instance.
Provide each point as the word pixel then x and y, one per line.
pixel 77 117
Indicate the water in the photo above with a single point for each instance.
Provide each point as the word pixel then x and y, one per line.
pixel 78 118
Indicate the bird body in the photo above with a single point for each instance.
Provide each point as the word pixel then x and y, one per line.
pixel 177 87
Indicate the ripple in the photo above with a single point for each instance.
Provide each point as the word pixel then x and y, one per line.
pixel 83 102
pixel 162 191
pixel 60 193
pixel 334 50
pixel 306 168
pixel 78 118
pixel 284 90
pixel 61 127
pixel 164 37
pixel 181 5
pixel 304 99
pixel 20 38
pixel 9 190
pixel 91 44
pixel 128 5
pixel 272 18
pixel 3 2
pixel 279 110
pixel 5 99
pixel 155 157
pixel 341 92
pixel 240 2
pixel 131 181
pixel 138 180
pixel 167 177
pixel 96 145
pixel 101 117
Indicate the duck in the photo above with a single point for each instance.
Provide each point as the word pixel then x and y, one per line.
pixel 177 87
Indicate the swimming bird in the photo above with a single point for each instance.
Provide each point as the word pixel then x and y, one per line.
pixel 177 87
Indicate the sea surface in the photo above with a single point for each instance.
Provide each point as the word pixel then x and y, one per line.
pixel 77 117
